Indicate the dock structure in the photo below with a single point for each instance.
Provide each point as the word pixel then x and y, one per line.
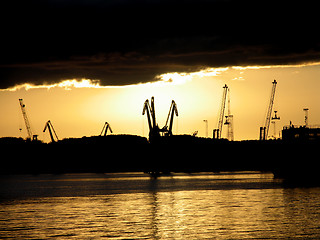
pixel 294 133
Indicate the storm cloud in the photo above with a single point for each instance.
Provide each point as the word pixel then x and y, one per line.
pixel 127 42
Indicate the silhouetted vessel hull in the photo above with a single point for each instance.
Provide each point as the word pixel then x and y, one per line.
pixel 298 163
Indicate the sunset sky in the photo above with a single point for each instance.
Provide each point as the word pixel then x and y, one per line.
pixel 81 63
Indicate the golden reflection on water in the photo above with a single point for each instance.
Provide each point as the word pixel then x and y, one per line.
pixel 193 214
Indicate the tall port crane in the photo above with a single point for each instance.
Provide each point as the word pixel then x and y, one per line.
pixel 154 131
pixel 105 128
pixel 229 120
pixel 50 128
pixel 173 110
pixel 206 122
pixel 26 121
pixel 306 110
pixel 217 133
pixel 265 129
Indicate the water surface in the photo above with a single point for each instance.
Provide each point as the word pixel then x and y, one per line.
pixel 244 205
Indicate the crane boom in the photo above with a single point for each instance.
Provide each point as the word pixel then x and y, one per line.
pixel 153 112
pixel 221 115
pixel 25 117
pixel 172 111
pixel 265 129
pixel 146 109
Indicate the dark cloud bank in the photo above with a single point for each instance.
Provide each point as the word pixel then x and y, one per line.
pixel 125 42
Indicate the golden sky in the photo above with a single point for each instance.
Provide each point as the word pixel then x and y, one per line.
pixel 80 108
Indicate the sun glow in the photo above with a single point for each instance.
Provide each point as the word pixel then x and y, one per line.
pixel 84 83
pixel 173 78
pixel 65 84
pixel 181 78
pixel 195 94
pixel 79 107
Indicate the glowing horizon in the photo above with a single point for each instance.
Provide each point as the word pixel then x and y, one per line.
pixel 80 107
pixel 165 78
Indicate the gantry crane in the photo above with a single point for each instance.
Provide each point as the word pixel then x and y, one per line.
pixel 26 120
pixel 105 128
pixel 265 129
pixel 154 131
pixel 50 128
pixel 173 110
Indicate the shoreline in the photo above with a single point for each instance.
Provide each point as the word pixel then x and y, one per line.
pixel 180 153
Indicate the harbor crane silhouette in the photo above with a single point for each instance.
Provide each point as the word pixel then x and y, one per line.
pixel 105 128
pixel 50 128
pixel 217 133
pixel 265 129
pixel 154 131
pixel 31 136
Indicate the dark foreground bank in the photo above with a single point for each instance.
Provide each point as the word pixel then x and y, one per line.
pixel 182 153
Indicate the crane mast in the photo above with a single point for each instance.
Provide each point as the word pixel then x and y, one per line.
pixel 26 121
pixel 50 128
pixel 265 129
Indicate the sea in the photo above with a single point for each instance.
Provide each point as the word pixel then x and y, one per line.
pixel 225 205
